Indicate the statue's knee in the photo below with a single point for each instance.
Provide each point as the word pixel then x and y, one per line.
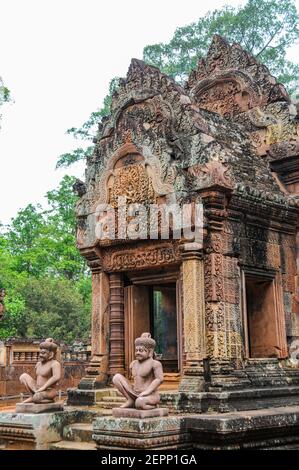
pixel 24 378
pixel 139 403
pixel 117 379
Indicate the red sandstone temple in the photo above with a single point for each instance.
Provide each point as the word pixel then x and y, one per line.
pixel 224 307
pixel 223 311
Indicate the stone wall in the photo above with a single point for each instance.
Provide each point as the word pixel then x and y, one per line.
pixel 21 355
pixel 9 377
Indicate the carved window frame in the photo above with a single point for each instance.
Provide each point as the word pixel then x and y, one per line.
pixel 276 280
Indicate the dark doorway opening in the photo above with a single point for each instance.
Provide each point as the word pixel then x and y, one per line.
pixel 261 325
pixel 164 325
pixel 152 304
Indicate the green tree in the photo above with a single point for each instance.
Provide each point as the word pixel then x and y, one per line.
pixel 54 307
pixel 4 96
pixel 4 93
pixel 266 28
pixel 43 242
pixel 87 131
pixel 48 288
pixel 47 306
pixel 14 303
pixel 22 240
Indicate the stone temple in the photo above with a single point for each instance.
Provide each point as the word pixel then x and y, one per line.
pixel 224 309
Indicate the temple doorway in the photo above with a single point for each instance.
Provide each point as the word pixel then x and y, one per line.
pixel 151 304
pixel 262 322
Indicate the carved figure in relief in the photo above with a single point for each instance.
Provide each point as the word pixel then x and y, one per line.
pixel 147 374
pixel 48 374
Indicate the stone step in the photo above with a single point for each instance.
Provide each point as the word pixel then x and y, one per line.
pixel 71 445
pixel 107 405
pixel 262 360
pixel 262 364
pixel 118 399
pixel 79 432
pixel 233 382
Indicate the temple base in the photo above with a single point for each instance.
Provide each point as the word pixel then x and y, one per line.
pixel 35 408
pixel 87 397
pixel 36 431
pixel 141 414
pixel 232 400
pixel 275 428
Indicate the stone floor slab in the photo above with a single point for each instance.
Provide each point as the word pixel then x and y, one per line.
pixel 142 414
pixel 35 408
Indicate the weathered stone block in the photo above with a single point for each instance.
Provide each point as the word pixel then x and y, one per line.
pixel 141 414
pixel 35 408
pixel 129 433
pixel 37 431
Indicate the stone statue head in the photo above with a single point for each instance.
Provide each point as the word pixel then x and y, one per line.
pixel 144 347
pixel 47 350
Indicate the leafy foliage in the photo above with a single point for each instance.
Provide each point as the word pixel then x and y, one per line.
pixel 88 131
pixel 4 95
pixel 47 286
pixel 265 28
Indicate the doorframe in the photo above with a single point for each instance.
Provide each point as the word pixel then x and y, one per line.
pixel 150 279
pixel 275 278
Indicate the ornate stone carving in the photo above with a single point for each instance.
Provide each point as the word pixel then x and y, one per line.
pixel 233 84
pixel 224 97
pixel 214 277
pixel 164 143
pixel 235 345
pixel 231 281
pixel 286 149
pixel 278 127
pixel 117 322
pixel 129 174
pixel 212 173
pixel 194 309
pixel 215 319
pixel 133 182
pixel 216 344
pixel 120 259
pixel 98 366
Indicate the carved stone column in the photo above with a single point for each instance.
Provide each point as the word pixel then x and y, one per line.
pixel 222 289
pixel 117 323
pixel 97 370
pixel 194 319
pixel 222 280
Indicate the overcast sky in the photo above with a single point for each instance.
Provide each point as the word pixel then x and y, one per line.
pixel 57 58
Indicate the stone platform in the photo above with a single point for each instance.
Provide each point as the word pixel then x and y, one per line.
pixel 235 400
pixel 35 408
pixel 274 428
pixel 37 431
pixel 113 433
pixel 141 414
pixel 87 397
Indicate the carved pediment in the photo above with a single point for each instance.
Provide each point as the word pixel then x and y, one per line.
pixel 227 94
pixel 133 175
pixel 132 182
pixel 234 84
